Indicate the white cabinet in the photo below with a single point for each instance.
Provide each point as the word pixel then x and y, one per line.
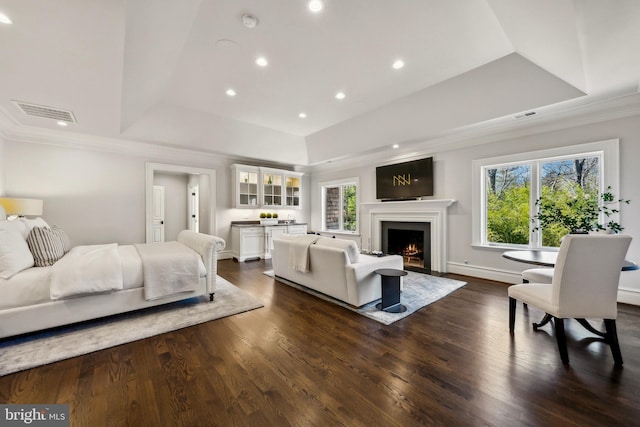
pixel 254 242
pixel 292 187
pixel 297 228
pixel 271 233
pixel 259 187
pixel 247 242
pixel 247 186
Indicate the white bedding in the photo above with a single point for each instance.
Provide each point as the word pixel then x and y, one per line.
pixel 31 286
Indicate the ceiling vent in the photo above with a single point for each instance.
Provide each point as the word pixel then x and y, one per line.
pixel 45 112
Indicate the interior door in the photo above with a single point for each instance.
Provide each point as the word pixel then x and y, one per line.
pixel 157 226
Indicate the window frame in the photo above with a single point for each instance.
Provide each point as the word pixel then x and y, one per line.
pixel 340 183
pixel 607 150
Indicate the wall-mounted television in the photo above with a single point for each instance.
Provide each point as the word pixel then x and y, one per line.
pixel 408 180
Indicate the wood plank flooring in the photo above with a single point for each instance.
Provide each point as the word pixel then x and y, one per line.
pixel 302 361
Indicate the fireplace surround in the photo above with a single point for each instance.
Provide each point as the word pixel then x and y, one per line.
pixel 434 212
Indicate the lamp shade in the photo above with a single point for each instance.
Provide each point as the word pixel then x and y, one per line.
pixel 21 207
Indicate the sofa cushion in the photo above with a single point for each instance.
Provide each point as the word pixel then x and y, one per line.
pixel 14 252
pixel 349 246
pixel 45 245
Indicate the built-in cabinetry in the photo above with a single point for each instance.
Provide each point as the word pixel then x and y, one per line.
pixel 250 241
pixel 258 187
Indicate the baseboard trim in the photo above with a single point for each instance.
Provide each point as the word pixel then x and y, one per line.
pixel 484 272
pixel 625 295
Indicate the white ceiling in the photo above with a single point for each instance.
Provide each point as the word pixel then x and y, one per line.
pixel 157 70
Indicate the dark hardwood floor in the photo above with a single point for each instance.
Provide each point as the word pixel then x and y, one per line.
pixel 303 361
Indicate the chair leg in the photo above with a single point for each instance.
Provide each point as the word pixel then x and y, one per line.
pixel 611 338
pixel 512 314
pixel 561 339
pixel 524 304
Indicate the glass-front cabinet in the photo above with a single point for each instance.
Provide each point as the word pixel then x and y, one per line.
pixel 247 186
pixel 292 190
pixel 259 187
pixel 272 188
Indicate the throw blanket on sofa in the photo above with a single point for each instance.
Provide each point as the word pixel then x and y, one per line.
pixel 85 270
pixel 169 268
pixel 299 252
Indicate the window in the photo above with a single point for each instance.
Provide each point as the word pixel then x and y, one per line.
pixel 340 206
pixel 506 190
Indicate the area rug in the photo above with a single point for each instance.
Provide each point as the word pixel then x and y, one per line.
pixel 419 290
pixel 41 348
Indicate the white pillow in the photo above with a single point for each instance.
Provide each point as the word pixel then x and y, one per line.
pixel 15 225
pixel 349 246
pixel 14 253
pixel 36 222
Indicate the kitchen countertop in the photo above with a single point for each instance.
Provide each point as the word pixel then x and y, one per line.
pixel 257 223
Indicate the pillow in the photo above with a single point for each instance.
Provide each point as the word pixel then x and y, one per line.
pixel 45 245
pixel 64 238
pixel 348 246
pixel 36 222
pixel 3 213
pixel 15 225
pixel 14 253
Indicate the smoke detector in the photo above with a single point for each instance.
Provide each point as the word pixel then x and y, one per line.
pixel 249 21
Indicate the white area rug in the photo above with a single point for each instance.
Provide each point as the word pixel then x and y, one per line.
pixel 41 348
pixel 418 291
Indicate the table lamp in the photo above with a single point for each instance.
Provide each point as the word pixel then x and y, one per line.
pixel 21 207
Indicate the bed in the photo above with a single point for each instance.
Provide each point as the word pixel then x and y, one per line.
pixel 92 281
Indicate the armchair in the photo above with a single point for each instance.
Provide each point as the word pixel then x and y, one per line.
pixel 584 285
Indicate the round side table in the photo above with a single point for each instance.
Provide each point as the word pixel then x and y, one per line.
pixel 391 290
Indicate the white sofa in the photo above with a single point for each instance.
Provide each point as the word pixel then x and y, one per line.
pixel 336 268
pixel 26 306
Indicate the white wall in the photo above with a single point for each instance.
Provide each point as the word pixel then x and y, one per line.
pixel 452 180
pixel 99 197
pixel 2 157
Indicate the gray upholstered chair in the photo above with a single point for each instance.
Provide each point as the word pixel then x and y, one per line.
pixel 584 285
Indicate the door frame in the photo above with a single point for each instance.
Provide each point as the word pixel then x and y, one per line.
pixel 150 171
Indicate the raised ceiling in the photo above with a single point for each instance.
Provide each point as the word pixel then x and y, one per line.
pixel 157 71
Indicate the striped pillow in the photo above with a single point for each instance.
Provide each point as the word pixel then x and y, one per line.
pixel 64 238
pixel 45 246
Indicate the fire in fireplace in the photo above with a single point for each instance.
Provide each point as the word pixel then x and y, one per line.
pixel 411 240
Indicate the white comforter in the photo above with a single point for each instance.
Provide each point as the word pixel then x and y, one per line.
pixel 86 270
pixel 169 268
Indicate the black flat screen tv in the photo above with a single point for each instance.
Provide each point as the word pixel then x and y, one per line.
pixel 408 180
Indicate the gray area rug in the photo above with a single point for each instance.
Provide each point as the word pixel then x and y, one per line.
pixel 418 291
pixel 45 347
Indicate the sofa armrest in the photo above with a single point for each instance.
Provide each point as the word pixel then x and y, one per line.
pixel 363 284
pixel 207 247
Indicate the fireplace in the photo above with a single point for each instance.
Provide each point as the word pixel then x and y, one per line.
pixel 432 212
pixel 411 240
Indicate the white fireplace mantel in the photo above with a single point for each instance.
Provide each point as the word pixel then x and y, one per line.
pixel 435 212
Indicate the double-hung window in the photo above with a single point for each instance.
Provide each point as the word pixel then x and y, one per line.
pixel 506 190
pixel 340 206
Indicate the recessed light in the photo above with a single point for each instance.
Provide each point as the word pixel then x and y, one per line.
pixel 302 115
pixel 315 6
pixel 397 64
pixel 5 19
pixel 340 95
pixel 231 92
pixel 262 61
pixel 395 146
pixel 63 124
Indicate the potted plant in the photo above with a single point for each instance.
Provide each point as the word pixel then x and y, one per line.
pixel 580 214
pixel 266 218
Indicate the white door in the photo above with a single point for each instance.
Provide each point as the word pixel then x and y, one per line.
pixel 193 194
pixel 157 227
